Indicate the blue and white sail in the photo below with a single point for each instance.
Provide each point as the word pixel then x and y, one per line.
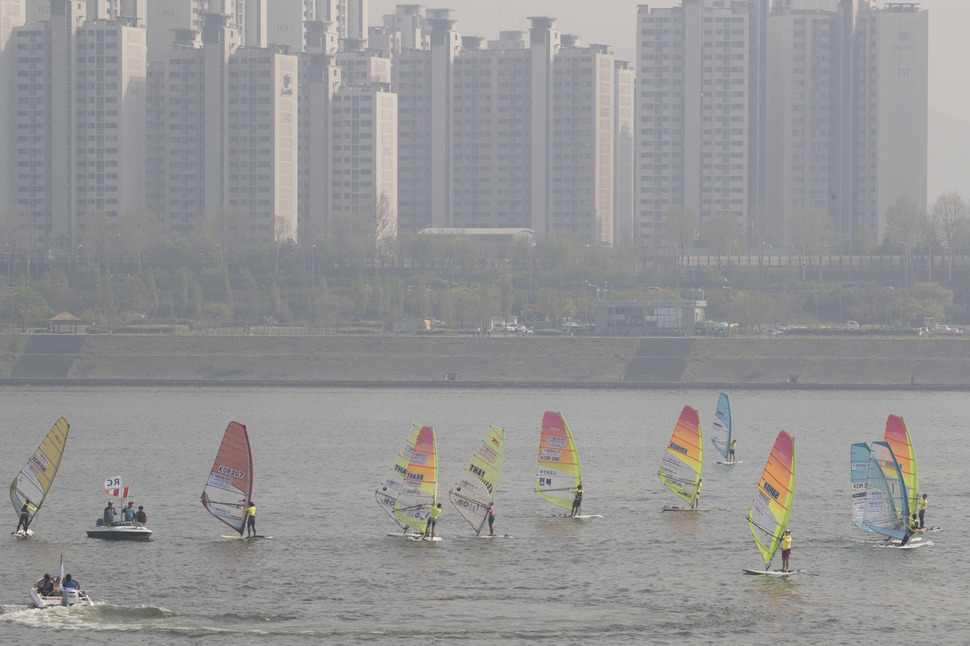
pixel 879 500
pixel 721 435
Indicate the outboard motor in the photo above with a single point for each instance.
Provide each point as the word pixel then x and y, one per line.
pixel 69 597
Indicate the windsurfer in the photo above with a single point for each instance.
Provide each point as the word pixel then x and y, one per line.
pixel 109 514
pixel 912 525
pixel 432 520
pixel 785 550
pixel 250 513
pixel 577 501
pixel 25 516
pixel 731 450
pixel 922 512
pixel 491 519
pixel 140 516
pixel 45 586
pixel 697 496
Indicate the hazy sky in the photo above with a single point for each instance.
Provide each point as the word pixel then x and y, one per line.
pixel 613 22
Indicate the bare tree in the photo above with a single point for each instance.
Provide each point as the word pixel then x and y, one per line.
pixel 680 228
pixel 813 234
pixel 949 217
pixel 720 235
pixel 904 225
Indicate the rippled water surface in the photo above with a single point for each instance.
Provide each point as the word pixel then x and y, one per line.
pixel 332 574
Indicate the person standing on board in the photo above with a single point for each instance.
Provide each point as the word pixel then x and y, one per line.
pixel 912 524
pixel 140 516
pixel 922 511
pixel 432 521
pixel 250 513
pixel 577 501
pixel 25 516
pixel 491 519
pixel 731 450
pixel 109 514
pixel 697 496
pixel 785 550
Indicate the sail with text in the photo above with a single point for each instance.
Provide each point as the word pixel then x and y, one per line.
pixel 410 487
pixel 771 508
pixel 898 439
pixel 880 503
pixel 558 473
pixel 680 469
pixel 475 490
pixel 34 481
pixel 230 483
pixel 721 435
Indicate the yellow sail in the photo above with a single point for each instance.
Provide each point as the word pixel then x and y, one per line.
pixel 34 481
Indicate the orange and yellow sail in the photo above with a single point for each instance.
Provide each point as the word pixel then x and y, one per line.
pixel 898 439
pixel 772 504
pixel 558 469
pixel 410 487
pixel 681 467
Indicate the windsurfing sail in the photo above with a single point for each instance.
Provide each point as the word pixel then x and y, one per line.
pixel 230 483
pixel 410 487
pixel 680 470
pixel 34 481
pixel 721 435
pixel 898 439
pixel 771 508
pixel 558 465
pixel 879 499
pixel 475 489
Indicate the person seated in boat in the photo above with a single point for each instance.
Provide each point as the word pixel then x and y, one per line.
pixel 577 501
pixel 128 513
pixel 432 521
pixel 25 511
pixel 912 526
pixel 731 450
pixel 45 586
pixel 109 514
pixel 69 582
pixel 785 550
pixel 922 512
pixel 140 516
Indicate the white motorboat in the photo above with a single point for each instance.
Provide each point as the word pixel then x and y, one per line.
pixel 69 597
pixel 121 530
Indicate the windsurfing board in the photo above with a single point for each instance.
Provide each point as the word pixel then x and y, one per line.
pixel 729 462
pixel 577 517
pixel 23 534
pixel 908 546
pixel 494 536
pixel 771 572
pixel 415 537
pixel 246 538
pixel 930 529
pixel 682 509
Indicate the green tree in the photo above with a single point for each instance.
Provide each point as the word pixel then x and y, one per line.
pixel 720 235
pixel 949 217
pixel 24 306
pixel 680 229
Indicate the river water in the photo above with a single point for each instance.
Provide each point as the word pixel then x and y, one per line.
pixel 332 574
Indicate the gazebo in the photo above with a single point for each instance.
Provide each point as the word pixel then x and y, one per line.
pixel 64 318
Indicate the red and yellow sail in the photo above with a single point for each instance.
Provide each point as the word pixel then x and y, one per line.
pixel 681 467
pixel 772 504
pixel 558 465
pixel 898 439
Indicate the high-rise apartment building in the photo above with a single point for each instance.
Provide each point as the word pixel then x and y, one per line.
pixel 891 112
pixel 624 124
pixel 694 110
pixel 78 123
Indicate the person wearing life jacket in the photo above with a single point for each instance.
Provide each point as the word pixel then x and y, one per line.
pixel 785 550
pixel 250 512
pixel 922 511
pixel 25 513
pixel 432 520
pixel 577 501
pixel 912 524
pixel 45 586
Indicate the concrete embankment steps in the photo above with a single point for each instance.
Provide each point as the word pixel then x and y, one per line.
pixel 659 360
pixel 47 356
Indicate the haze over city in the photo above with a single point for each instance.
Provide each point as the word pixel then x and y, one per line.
pixel 612 22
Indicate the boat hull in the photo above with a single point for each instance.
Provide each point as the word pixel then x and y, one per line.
pixel 121 532
pixel 40 601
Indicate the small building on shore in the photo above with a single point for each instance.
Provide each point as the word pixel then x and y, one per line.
pixel 647 318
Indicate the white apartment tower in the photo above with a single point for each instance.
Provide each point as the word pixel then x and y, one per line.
pixel 891 109
pixel 623 155
pixel 694 78
pixel 261 153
